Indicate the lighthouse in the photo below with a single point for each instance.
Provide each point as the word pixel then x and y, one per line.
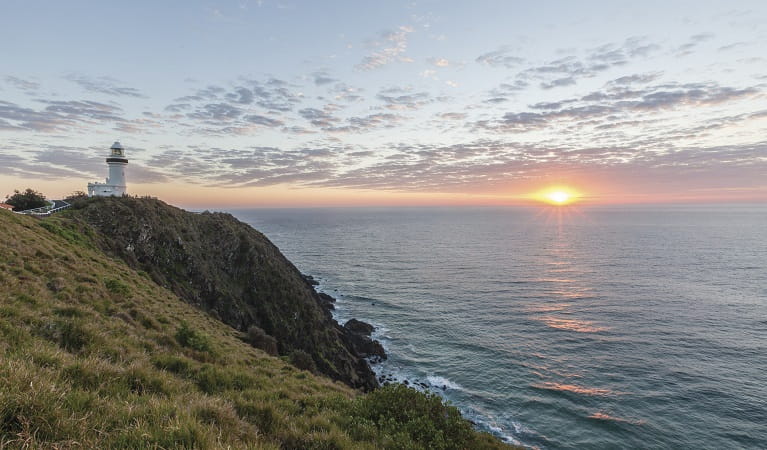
pixel 115 183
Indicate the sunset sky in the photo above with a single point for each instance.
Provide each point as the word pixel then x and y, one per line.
pixel 308 103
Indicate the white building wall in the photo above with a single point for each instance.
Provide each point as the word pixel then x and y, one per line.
pixel 117 174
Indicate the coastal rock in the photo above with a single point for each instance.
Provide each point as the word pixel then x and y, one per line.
pixel 359 327
pixel 326 297
pixel 326 301
pixel 358 333
pixel 310 279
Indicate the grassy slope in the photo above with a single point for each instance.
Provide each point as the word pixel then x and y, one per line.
pixel 224 266
pixel 91 355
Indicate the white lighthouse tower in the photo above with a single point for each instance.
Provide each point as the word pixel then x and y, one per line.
pixel 115 183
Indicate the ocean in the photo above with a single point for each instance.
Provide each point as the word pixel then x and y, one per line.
pixel 558 327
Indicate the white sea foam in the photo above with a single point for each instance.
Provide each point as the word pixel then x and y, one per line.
pixel 438 382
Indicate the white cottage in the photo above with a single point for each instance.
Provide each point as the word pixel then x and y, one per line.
pixel 115 183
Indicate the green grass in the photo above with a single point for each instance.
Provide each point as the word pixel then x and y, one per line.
pixel 104 358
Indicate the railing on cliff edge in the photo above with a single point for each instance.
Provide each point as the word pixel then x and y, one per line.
pixel 45 211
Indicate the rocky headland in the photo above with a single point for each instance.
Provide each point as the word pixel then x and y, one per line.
pixel 233 272
pixel 128 323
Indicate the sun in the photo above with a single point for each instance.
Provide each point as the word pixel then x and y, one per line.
pixel 557 196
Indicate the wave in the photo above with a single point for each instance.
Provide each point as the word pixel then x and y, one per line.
pixel 442 383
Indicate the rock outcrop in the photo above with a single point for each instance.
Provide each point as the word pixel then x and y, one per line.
pixel 358 333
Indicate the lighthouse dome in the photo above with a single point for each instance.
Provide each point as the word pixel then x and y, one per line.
pixel 117 150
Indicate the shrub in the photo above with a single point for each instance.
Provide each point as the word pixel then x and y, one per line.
pixel 28 199
pixel 77 199
pixel 187 337
pixel 116 286
pixel 261 415
pixel 210 379
pixel 72 335
pixel 409 416
pixel 174 364
pixel 259 339
pixel 303 360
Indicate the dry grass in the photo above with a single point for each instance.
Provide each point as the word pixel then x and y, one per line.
pixel 95 355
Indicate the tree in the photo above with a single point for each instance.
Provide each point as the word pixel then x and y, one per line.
pixel 76 195
pixel 28 199
pixel 77 199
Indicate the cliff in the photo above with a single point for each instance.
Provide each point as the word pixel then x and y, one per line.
pixel 95 354
pixel 233 272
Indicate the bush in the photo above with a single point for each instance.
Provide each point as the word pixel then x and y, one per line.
pixel 303 361
pixel 409 416
pixel 259 339
pixel 28 199
pixel 175 364
pixel 195 340
pixel 70 334
pixel 116 286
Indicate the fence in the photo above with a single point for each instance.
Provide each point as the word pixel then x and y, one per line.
pixel 45 211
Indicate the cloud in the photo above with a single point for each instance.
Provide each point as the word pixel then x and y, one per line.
pixel 406 101
pixel 104 85
pixel 363 124
pixel 502 57
pixel 208 93
pixel 275 95
pixel 318 118
pixel 694 41
pixel 140 125
pixel 60 162
pixel 178 107
pixel 568 70
pixel 263 120
pixel 241 95
pixel 559 82
pixel 247 107
pixel 58 115
pixel 216 112
pixel 390 47
pixel 345 93
pixel 24 85
pixel 254 166
pixel 504 91
pixel 322 78
pixel 606 106
pixel 642 78
pixel 439 62
pixel 452 116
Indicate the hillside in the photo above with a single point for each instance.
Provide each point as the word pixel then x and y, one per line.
pixel 227 268
pixel 95 354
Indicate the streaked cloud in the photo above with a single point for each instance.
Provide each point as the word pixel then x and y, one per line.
pixel 104 85
pixel 388 48
pixel 24 85
pixel 503 57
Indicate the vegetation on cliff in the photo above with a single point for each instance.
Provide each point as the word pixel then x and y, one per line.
pixel 95 354
pixel 227 268
pixel 29 199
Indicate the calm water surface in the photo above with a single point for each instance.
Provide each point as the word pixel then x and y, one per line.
pixel 559 328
